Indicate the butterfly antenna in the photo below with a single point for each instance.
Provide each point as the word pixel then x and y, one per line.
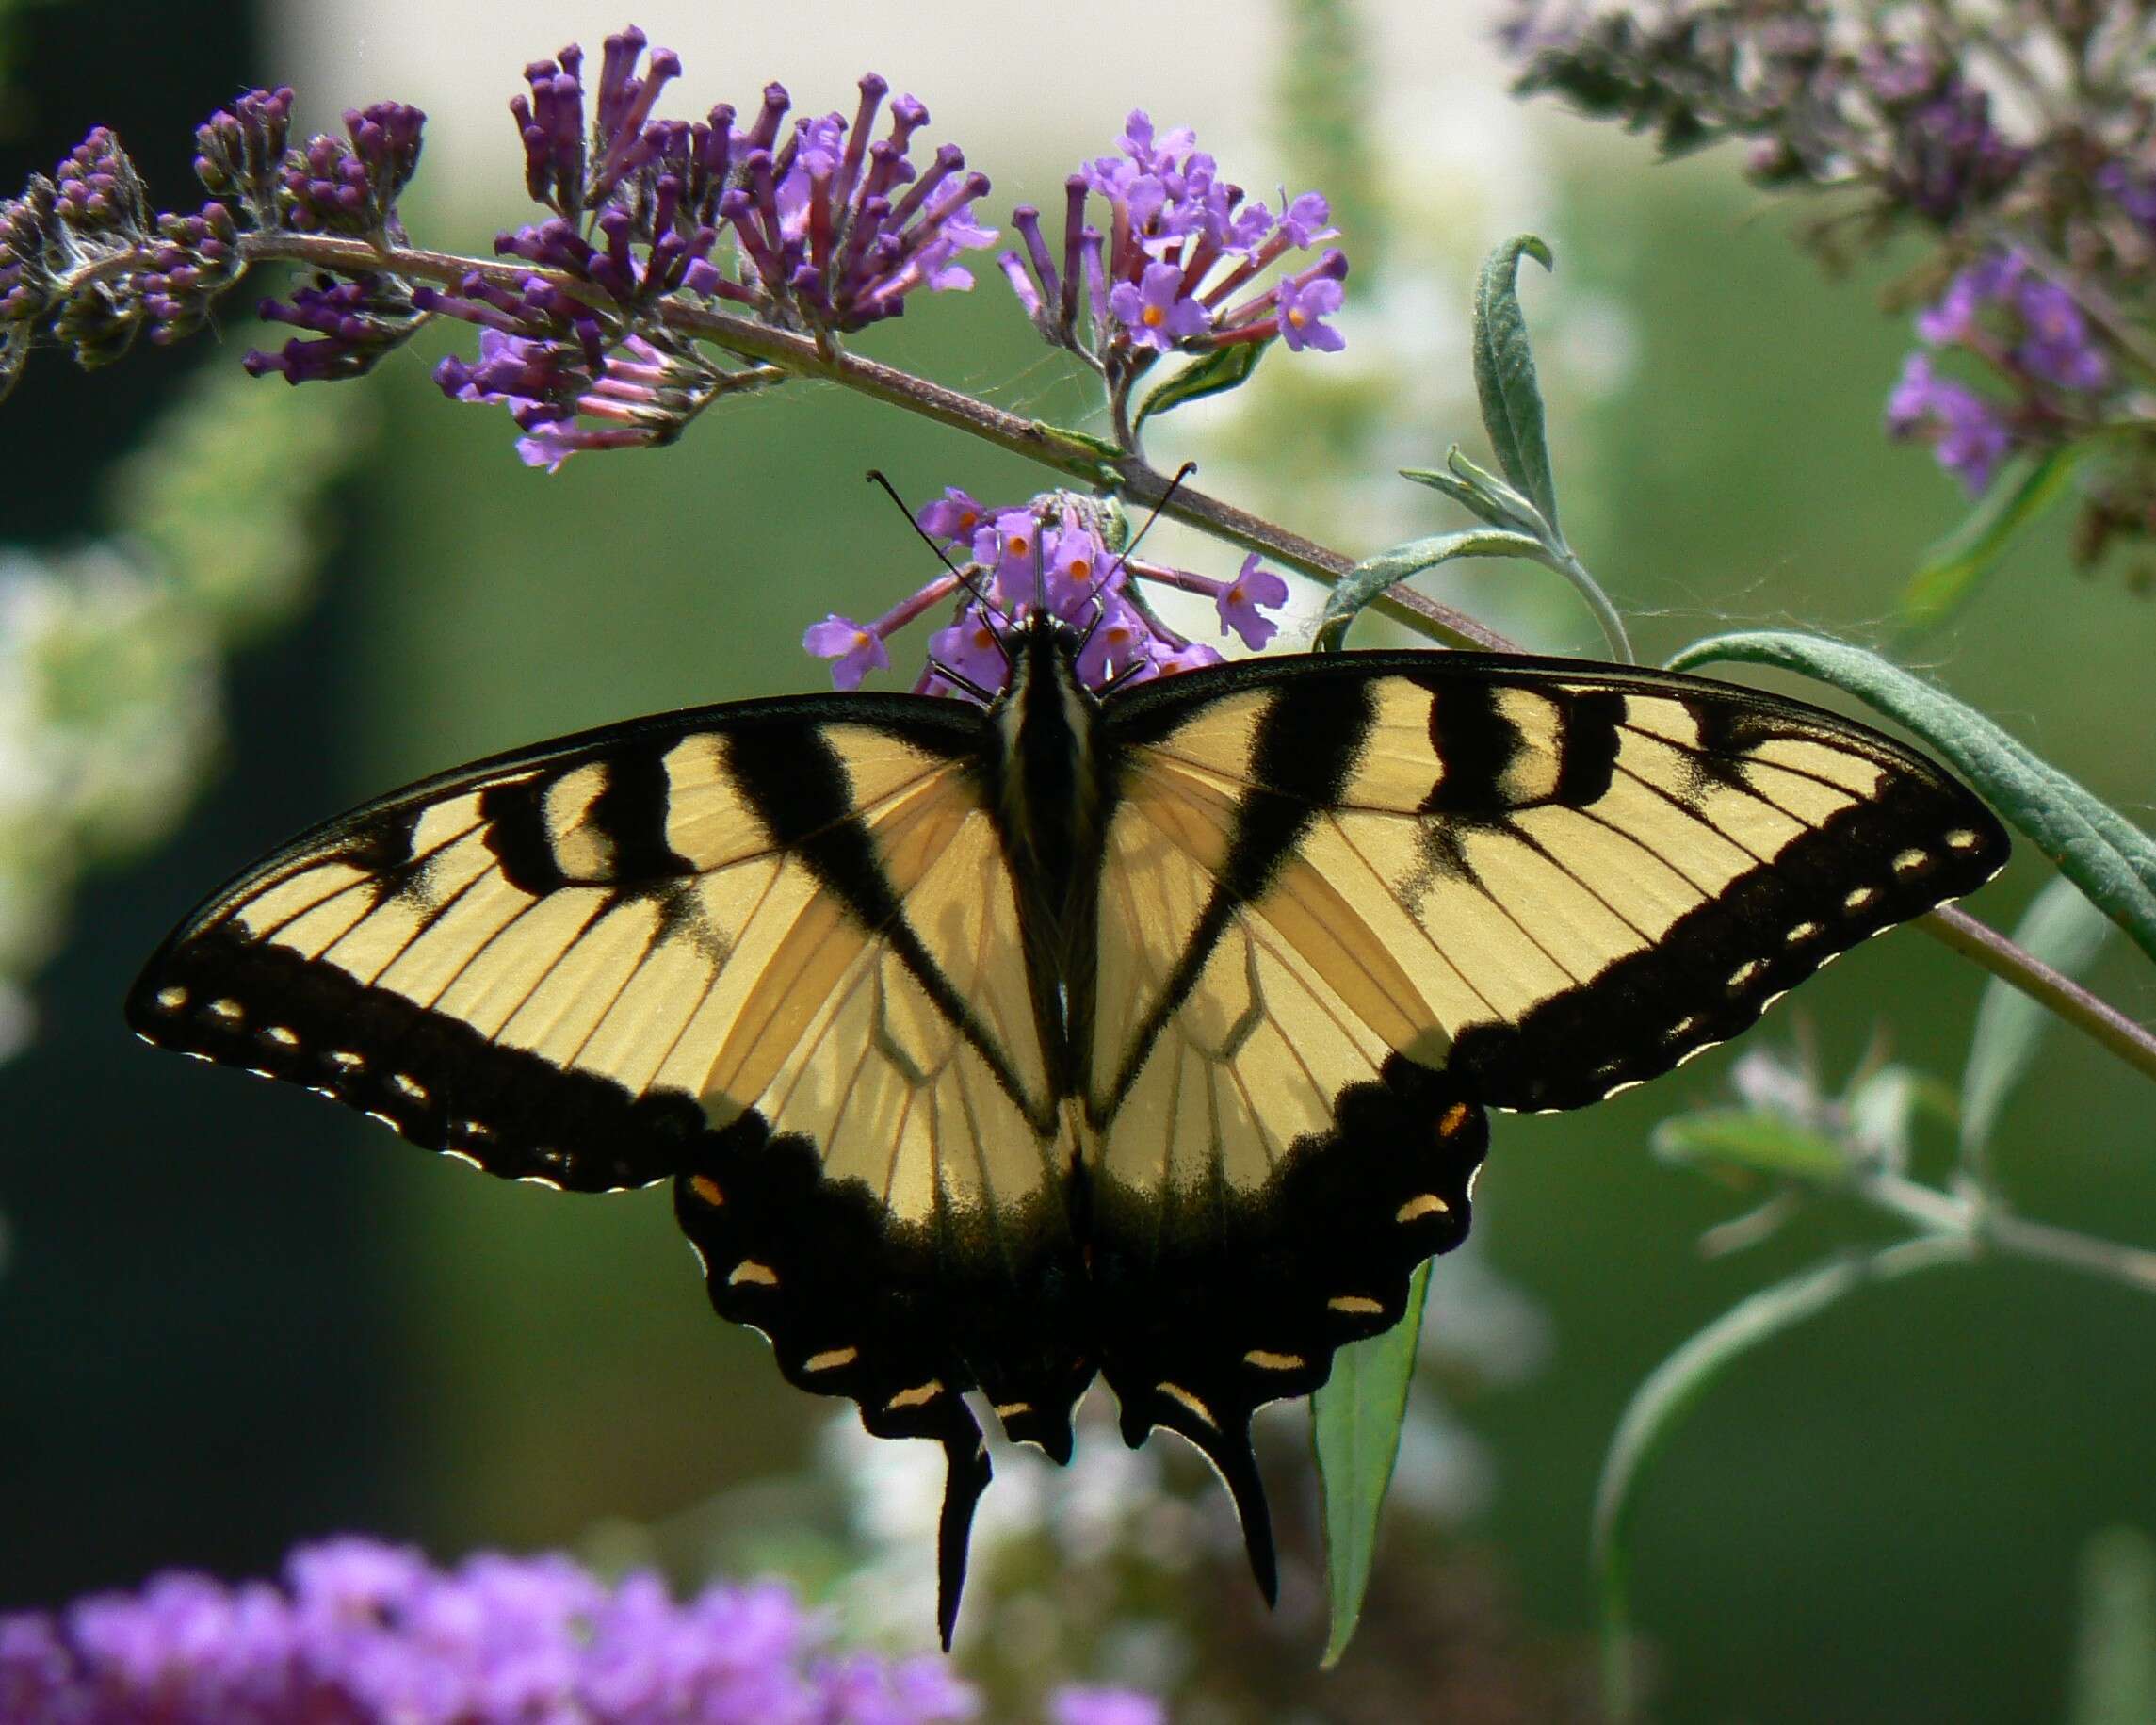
pixel 1167 496
pixel 1093 592
pixel 999 623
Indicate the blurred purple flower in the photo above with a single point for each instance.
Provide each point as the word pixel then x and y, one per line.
pixel 1078 1706
pixel 1048 555
pixel 1965 432
pixel 365 1634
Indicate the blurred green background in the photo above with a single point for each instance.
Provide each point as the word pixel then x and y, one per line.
pixel 231 1318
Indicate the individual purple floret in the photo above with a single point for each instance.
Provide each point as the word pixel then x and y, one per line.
pixel 367 1634
pixel 1177 265
pixel 1047 554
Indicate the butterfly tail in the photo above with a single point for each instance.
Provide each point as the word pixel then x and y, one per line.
pixel 966 1477
pixel 1221 1432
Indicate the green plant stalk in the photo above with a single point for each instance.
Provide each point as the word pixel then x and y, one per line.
pixel 1094 461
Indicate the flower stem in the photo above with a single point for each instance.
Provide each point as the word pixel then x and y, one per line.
pixel 1088 460
pixel 2094 1018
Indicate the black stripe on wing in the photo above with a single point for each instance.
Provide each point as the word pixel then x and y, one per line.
pixel 1301 756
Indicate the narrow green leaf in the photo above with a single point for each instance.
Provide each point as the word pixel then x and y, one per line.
pixel 1481 492
pixel 1754 1140
pixel 1952 567
pixel 2102 853
pixel 1504 374
pixel 1369 578
pixel 1673 1388
pixel 2065 930
pixel 1209 375
pixel 2114 1652
pixel 1354 1423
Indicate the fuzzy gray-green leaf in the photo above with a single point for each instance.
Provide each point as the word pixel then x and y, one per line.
pixel 1355 1421
pixel 1369 578
pixel 1504 374
pixel 2096 848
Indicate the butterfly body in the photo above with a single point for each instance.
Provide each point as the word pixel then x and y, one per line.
pixel 1147 1037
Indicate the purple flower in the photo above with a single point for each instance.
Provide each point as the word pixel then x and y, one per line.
pixel 359 323
pixel 1303 309
pixel 1157 313
pixel 2133 189
pixel 364 1633
pixel 1078 1705
pixel 1240 600
pixel 952 517
pixel 1165 270
pixel 350 185
pixel 1050 554
pixel 1966 434
pixel 2056 346
pixel 854 649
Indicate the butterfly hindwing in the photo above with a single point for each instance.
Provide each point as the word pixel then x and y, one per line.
pixel 771 951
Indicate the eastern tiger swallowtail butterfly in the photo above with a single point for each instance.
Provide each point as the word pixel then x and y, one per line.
pixel 1147 1035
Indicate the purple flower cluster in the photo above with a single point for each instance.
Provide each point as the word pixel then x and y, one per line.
pixel 2029 330
pixel 831 230
pixel 340 187
pixel 1179 266
pixel 1047 554
pixel 365 1634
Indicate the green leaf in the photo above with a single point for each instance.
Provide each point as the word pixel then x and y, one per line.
pixel 1481 492
pixel 1754 1140
pixel 1354 1423
pixel 1504 374
pixel 1673 1388
pixel 1221 370
pixel 2102 853
pixel 1372 578
pixel 1952 567
pixel 2065 930
pixel 2114 1652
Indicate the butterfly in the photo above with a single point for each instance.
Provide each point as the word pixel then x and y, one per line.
pixel 1147 1035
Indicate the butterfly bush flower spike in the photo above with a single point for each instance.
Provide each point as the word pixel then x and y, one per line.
pixel 1050 555
pixel 820 223
pixel 1175 263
